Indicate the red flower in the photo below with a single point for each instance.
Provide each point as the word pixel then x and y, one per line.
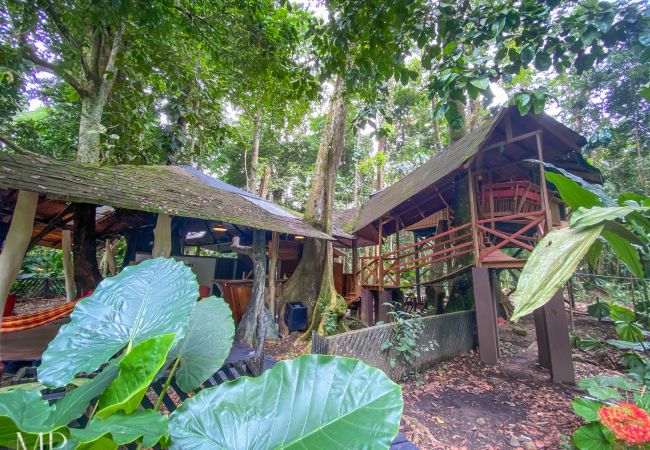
pixel 628 422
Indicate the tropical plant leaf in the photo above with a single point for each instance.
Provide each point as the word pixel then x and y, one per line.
pixel 595 215
pixel 137 370
pixel 550 265
pixel 605 388
pixel 632 199
pixel 625 345
pixel 314 401
pixel 26 411
pixel 591 437
pixel 153 298
pixel 598 310
pixel 587 409
pixel 629 331
pixel 626 252
pixel 149 425
pixel 575 191
pixel 206 345
pixel 620 313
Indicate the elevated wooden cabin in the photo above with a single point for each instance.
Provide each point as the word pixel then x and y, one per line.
pixel 481 204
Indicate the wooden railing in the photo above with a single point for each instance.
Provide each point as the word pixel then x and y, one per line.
pixel 531 229
pixel 387 269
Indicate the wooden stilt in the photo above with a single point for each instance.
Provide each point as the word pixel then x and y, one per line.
pixel 273 271
pixel 367 307
pixel 162 243
pixel 542 184
pixel 382 309
pixel 355 267
pixel 475 231
pixel 486 316
pixel 552 329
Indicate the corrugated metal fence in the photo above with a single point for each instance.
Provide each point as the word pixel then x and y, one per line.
pixel 451 334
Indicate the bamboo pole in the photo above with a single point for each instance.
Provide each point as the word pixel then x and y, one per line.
pixel 68 266
pixel 16 242
pixel 162 243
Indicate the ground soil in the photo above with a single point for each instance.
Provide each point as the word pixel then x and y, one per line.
pixel 463 404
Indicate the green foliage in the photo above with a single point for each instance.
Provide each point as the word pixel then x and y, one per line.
pixel 558 254
pixel 115 316
pixel 403 347
pixel 136 351
pixel 291 406
pixel 206 344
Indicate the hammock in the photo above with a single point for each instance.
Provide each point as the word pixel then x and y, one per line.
pixel 33 320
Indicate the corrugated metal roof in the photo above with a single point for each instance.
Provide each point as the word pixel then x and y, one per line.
pixel 424 176
pixel 174 190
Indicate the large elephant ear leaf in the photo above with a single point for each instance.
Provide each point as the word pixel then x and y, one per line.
pixel 153 298
pixel 27 412
pixel 550 265
pixel 315 401
pixel 148 425
pixel 137 370
pixel 206 345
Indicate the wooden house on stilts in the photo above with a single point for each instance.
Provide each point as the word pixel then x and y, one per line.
pixel 478 207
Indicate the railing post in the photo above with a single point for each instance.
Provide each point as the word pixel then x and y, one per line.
pixel 472 202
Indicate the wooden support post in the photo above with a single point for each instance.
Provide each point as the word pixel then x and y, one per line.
pixel 380 260
pixel 16 242
pixel 367 307
pixel 162 242
pixel 418 288
pixel 486 316
pixel 68 266
pixel 110 258
pixel 84 249
pixel 355 267
pixel 554 346
pixel 542 181
pixel 397 269
pixel 382 309
pixel 474 213
pixel 273 271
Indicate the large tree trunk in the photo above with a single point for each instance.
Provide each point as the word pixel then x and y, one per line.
pixel 16 242
pixel 86 272
pixel 255 152
pixel 311 281
pixel 252 325
pixel 90 128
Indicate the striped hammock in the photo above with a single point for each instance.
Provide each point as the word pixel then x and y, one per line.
pixel 33 320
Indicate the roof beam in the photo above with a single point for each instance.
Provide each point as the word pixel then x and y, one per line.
pixel 59 218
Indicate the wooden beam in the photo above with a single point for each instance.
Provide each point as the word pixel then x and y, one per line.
pixel 274 250
pixel 514 139
pixel 59 218
pixel 472 203
pixel 162 243
pixel 542 182
pixel 68 267
pixel 486 316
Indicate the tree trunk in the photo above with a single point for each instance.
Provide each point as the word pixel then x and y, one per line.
pixel 314 272
pixel 252 325
pixel 264 185
pixel 255 152
pixel 90 128
pixel 68 265
pixel 16 242
pixel 86 273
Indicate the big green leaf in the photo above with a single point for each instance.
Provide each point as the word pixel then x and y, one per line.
pixel 592 437
pixel 123 429
pixel 596 215
pixel 206 345
pixel 629 331
pixel 572 193
pixel 153 298
pixel 626 252
pixel 550 265
pixel 27 412
pixel 587 409
pixel 620 313
pixel 137 370
pixel 315 402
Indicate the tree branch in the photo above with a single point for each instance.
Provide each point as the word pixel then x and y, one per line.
pixel 48 7
pixel 242 249
pixel 29 54
pixel 12 145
